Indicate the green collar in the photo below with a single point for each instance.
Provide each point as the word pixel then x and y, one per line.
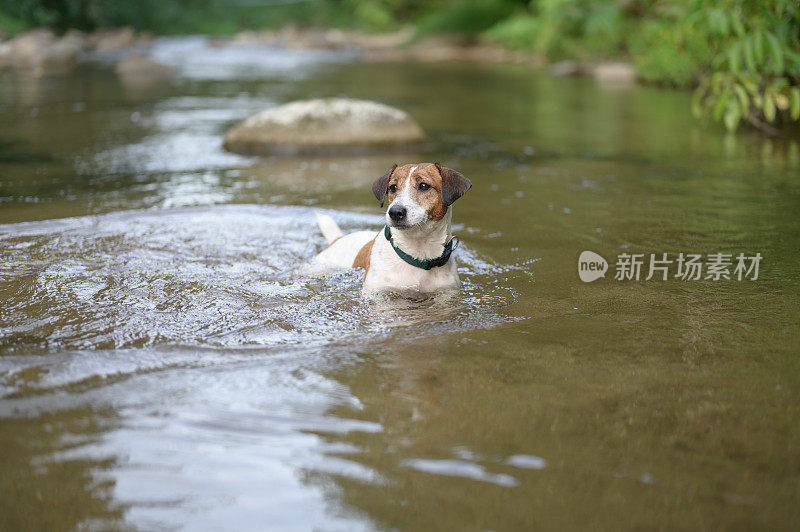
pixel 425 264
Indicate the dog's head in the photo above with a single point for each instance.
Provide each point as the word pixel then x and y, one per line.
pixel 419 193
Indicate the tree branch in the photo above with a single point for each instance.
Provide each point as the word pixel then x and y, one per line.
pixel 762 126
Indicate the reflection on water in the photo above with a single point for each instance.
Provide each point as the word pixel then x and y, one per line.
pixel 182 136
pixel 173 464
pixel 460 468
pixel 165 364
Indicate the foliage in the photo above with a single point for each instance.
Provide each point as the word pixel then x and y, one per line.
pixel 468 18
pixel 518 32
pixel 169 16
pixel 668 51
pixel 372 15
pixel 11 24
pixel 369 15
pixel 756 71
pixel 560 29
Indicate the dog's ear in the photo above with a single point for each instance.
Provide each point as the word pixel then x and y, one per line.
pixel 379 187
pixel 454 185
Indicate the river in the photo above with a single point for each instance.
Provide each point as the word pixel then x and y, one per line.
pixel 164 364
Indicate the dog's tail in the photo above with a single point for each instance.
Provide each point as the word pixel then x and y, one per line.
pixel 329 229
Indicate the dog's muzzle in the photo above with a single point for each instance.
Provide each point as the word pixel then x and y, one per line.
pixel 397 213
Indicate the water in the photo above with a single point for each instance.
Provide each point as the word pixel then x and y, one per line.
pixel 163 364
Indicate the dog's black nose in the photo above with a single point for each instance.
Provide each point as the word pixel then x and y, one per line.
pixel 397 213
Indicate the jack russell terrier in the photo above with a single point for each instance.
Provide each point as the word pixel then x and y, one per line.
pixel 413 251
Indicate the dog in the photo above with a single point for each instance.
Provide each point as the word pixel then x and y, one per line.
pixel 413 251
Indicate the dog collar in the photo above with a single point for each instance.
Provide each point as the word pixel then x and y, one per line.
pixel 425 264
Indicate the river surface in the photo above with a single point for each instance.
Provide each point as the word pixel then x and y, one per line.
pixel 165 365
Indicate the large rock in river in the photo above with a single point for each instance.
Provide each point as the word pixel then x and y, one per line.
pixel 325 126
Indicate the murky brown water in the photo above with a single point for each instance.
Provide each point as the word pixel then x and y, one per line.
pixel 162 365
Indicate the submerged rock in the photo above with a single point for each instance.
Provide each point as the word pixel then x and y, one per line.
pixel 331 125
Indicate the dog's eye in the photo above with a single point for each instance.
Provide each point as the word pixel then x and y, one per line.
pixel 392 188
pixel 424 186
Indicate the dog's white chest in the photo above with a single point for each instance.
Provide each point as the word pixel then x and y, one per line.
pixel 388 271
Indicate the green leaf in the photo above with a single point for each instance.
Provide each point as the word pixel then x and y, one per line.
pixel 723 22
pixel 721 104
pixel 769 107
pixel 744 100
pixel 749 54
pixel 732 116
pixel 736 22
pixel 734 57
pixel 718 21
pixel 758 46
pixel 750 85
pixel 794 103
pixel 775 52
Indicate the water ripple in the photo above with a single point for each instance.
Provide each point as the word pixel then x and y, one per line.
pixel 222 276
